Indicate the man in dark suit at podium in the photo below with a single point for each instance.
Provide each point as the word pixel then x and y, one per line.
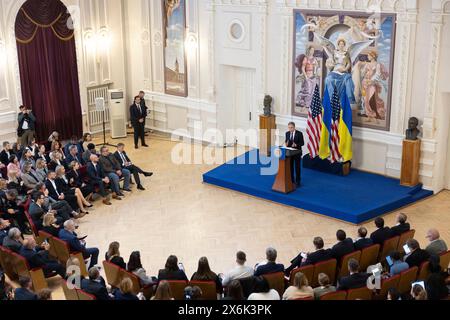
pixel 294 139
pixel 138 114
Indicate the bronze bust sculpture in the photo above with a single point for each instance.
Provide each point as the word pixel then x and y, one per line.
pixel 412 133
pixel 268 105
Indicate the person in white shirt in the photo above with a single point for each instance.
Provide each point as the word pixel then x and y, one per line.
pixel 262 291
pixel 241 271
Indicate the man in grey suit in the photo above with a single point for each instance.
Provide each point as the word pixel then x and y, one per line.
pixel 436 245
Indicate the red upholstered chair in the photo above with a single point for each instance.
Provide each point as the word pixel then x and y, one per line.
pixel 424 271
pixel 209 289
pixel 177 288
pixel 363 293
pixel 70 294
pixel 387 284
pixel 406 279
pixel 337 295
pixel 308 271
pixel 445 260
pixel 369 256
pixel 389 246
pixel 113 274
pixel 276 282
pixel 403 238
pixel 328 267
pixel 84 296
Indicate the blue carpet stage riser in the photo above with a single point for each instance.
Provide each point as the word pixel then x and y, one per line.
pixel 355 198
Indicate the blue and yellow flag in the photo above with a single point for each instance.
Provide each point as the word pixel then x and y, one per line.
pixel 346 129
pixel 324 150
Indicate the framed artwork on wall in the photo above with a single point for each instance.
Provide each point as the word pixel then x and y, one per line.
pixel 369 43
pixel 174 37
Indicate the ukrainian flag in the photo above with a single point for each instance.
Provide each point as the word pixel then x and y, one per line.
pixel 346 129
pixel 324 150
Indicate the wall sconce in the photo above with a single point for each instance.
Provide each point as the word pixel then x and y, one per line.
pixel 98 44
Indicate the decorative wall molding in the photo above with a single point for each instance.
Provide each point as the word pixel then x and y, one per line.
pixel 188 103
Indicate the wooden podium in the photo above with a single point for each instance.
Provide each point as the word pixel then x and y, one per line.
pixel 266 135
pixel 410 163
pixel 283 182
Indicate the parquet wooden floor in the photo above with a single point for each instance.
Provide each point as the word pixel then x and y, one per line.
pixel 180 215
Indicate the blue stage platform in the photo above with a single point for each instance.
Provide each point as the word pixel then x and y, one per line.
pixel 356 198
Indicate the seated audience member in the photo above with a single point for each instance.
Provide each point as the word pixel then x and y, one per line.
pixel 135 266
pixel 171 270
pixel 97 178
pixel 435 283
pixel 14 240
pixel 436 246
pixel 125 291
pixel 402 226
pixel 355 280
pixel 204 273
pixel 42 154
pixel 270 266
pixel 418 293
pixel 343 247
pixel 262 291
pixel 29 177
pixel 50 225
pixel 234 291
pixel 4 228
pixel 87 139
pixel 38 257
pixel 24 292
pixel 63 184
pixel 88 152
pixel 76 181
pixel 63 210
pixel 362 241
pixel 56 160
pixel 241 271
pixel 95 285
pixel 113 255
pixel 398 266
pixel 193 293
pixel 68 234
pixel 56 191
pixel 27 157
pixel 382 233
pixel 74 155
pixel 17 149
pixel 10 210
pixel 324 286
pixel 112 169
pixel 41 170
pixel 15 183
pixel 33 146
pixel 317 256
pixel 393 295
pixel 36 209
pixel 163 292
pixel 45 295
pixel 300 289
pixel 74 141
pixel 6 153
pixel 53 138
pixel 417 256
pixel 126 163
pixel 14 165
pixel 57 149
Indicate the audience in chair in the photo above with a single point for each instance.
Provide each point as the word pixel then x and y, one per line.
pixel 241 271
pixel 135 266
pixel 300 289
pixel 14 240
pixel 204 273
pixel 24 292
pixel 163 292
pixel 262 291
pixel 38 257
pixel 125 291
pixel 234 291
pixel 343 247
pixel 382 233
pixel 112 169
pixel 172 271
pixel 417 255
pixel 270 266
pixel 98 179
pixel 362 241
pixel 324 286
pixel 355 280
pixel 436 246
pixel 317 256
pixel 435 285
pixel 398 266
pixel 418 293
pixel 402 226
pixel 95 285
pixel 113 255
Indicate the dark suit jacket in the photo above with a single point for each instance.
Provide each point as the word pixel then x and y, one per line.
pixel 96 176
pixel 79 159
pixel 119 159
pixel 342 248
pixel 36 214
pixel 109 164
pixel 52 192
pixel 417 257
pixel 354 281
pixel 269 267
pixel 363 243
pixel 401 228
pixel 34 258
pixel 44 157
pixel 171 275
pixel 135 115
pixel 317 256
pixel 97 289
pixel 74 244
pixel 24 294
pixel 381 235
pixel 298 140
pixel 4 157
pixel 77 179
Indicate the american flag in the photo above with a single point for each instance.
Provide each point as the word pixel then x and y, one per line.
pixel 314 127
pixel 336 117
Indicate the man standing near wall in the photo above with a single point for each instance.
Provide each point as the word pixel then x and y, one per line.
pixel 138 115
pixel 27 125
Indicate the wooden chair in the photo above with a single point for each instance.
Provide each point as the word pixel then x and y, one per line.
pixel 369 256
pixel 276 282
pixel 328 267
pixel 84 296
pixel 113 274
pixel 70 294
pixel 387 284
pixel 63 254
pixel 137 288
pixel 337 295
pixel 177 288
pixel 424 271
pixel 406 279
pixel 47 236
pixel 209 289
pixel 403 238
pixel 343 269
pixel 308 271
pixel 33 227
pixel 389 246
pixel 7 262
pixel 363 293
pixel 445 260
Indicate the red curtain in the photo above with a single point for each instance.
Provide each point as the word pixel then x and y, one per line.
pixel 48 67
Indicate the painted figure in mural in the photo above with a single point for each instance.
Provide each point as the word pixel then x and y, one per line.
pixel 374 76
pixel 412 132
pixel 307 66
pixel 339 63
pixel 171 6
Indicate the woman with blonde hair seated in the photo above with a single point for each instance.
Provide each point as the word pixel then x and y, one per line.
pixel 15 182
pixel 113 255
pixel 50 225
pixel 418 292
pixel 75 180
pixel 125 291
pixel 300 289
pixel 56 160
pixel 163 292
pixel 63 184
